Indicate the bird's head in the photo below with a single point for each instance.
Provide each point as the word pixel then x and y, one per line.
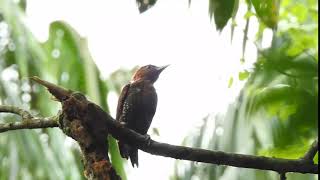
pixel 148 72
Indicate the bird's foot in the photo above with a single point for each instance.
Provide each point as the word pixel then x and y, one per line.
pixel 148 139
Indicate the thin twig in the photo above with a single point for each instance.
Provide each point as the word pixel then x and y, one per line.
pixel 245 33
pixel 16 110
pixel 29 124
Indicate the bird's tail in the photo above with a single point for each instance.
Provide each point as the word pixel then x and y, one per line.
pixel 127 151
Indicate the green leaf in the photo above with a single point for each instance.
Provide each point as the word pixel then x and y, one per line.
pixel 281 110
pixel 301 40
pixel 64 59
pixel 222 10
pixel 281 101
pixel 75 69
pixel 243 75
pixel 294 151
pixel 316 158
pixel 267 11
pixel 248 14
pixel 116 159
pixel 230 82
pixel 67 62
pixel 301 12
pixel 23 4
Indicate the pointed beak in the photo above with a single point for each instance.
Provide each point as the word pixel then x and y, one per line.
pixel 160 69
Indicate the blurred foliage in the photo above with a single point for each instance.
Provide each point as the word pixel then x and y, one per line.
pixel 267 11
pixel 63 59
pixel 274 115
pixel 121 77
pixel 222 11
pixel 276 111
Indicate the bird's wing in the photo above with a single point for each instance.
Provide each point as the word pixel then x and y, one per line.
pixel 151 100
pixel 143 106
pixel 122 98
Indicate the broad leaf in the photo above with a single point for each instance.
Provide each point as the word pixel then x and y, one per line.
pixel 222 10
pixel 267 11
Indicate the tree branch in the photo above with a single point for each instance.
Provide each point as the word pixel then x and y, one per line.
pixel 201 155
pixel 30 124
pixel 312 151
pixel 90 133
pixel 16 110
pixel 28 121
pixel 283 176
pixel 180 152
pixel 90 125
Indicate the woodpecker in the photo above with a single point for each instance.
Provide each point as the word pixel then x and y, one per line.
pixel 137 105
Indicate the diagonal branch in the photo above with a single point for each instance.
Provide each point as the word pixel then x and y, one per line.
pixel 90 125
pixel 201 155
pixel 181 152
pixel 312 151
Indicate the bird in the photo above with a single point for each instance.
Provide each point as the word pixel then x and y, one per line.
pixel 137 105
